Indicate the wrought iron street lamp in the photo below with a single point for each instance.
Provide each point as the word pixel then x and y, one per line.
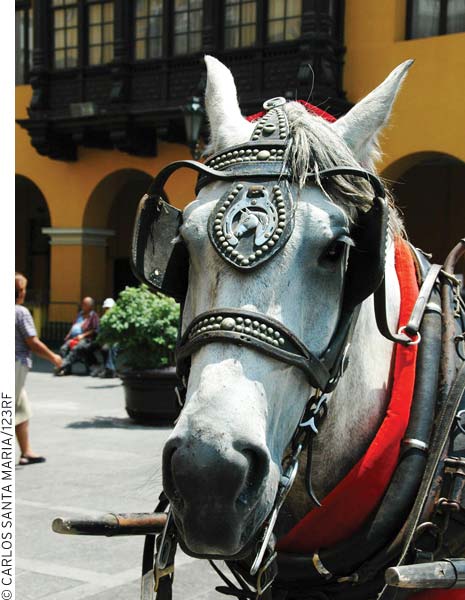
pixel 193 120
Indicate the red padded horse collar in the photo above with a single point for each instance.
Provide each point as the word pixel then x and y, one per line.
pixel 348 505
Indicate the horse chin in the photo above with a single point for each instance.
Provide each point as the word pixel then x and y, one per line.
pixel 217 535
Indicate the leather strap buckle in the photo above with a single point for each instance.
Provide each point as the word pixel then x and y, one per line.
pixel 160 573
pixel 164 559
pixel 266 574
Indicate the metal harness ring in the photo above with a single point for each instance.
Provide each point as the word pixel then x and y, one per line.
pixel 413 342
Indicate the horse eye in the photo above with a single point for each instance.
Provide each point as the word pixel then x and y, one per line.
pixel 335 251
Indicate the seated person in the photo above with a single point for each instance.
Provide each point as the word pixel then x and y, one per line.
pixel 108 368
pixel 79 340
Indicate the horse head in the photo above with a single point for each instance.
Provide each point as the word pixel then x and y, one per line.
pixel 262 317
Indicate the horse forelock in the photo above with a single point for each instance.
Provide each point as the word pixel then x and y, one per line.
pixel 316 146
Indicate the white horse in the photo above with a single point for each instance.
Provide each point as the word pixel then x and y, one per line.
pixel 223 460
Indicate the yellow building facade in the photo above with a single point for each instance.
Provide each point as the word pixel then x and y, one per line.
pixel 424 144
pixel 86 208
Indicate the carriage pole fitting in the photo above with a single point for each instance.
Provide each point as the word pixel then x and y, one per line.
pixel 444 574
pixel 112 524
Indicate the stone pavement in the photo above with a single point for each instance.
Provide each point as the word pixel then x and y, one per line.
pixel 97 461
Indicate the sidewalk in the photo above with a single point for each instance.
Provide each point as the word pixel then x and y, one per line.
pixel 97 461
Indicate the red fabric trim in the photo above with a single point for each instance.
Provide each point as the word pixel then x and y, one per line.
pixel 313 109
pixel 348 505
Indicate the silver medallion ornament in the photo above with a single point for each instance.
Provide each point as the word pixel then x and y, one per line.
pixel 251 223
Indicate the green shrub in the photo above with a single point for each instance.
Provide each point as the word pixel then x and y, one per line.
pixel 144 326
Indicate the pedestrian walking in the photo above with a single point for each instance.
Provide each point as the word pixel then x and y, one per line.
pixel 26 343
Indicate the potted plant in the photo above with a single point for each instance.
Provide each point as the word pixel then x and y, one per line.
pixel 144 328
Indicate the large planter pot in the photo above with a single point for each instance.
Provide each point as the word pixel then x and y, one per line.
pixel 150 395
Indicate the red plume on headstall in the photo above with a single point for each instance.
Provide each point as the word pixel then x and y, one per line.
pixel 311 109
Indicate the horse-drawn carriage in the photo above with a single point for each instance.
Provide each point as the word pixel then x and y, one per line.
pixel 320 451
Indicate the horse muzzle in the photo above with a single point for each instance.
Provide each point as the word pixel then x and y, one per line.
pixel 216 491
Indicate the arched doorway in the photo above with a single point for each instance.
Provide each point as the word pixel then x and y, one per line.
pixel 121 221
pixel 428 189
pixel 32 248
pixel 112 207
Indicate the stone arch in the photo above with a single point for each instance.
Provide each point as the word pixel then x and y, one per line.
pixel 428 187
pixel 32 249
pixel 107 222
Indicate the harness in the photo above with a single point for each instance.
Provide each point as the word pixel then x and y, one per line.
pixel 260 189
pixel 416 520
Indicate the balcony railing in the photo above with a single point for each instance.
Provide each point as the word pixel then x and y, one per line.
pixel 129 104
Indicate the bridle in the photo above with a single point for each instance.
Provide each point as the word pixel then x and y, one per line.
pixel 260 166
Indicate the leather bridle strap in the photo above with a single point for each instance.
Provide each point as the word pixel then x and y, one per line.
pixel 413 326
pixel 254 330
pixel 274 170
pixel 375 182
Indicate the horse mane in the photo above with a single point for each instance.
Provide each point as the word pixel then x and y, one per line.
pixel 316 146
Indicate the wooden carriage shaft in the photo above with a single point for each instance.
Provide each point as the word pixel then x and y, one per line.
pixel 443 574
pixel 112 524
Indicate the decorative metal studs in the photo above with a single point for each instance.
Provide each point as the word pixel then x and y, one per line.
pixel 263 155
pixel 255 329
pixel 251 223
pixel 250 155
pixel 274 122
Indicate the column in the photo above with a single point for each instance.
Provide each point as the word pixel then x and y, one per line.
pixel 78 268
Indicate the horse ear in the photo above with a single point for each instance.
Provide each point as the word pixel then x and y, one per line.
pixel 361 126
pixel 227 126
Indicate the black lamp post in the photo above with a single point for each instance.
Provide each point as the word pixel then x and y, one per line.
pixel 193 119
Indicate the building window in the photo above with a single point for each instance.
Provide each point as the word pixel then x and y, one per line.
pixel 240 19
pixel 24 42
pixel 65 33
pixel 455 16
pixel 148 29
pixel 100 21
pixel 284 20
pixel 188 15
pixel 426 18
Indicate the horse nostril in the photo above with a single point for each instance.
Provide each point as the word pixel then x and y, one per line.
pixel 169 485
pixel 258 468
pixel 195 471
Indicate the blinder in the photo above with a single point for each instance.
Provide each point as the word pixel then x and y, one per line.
pixel 158 258
pixel 365 269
